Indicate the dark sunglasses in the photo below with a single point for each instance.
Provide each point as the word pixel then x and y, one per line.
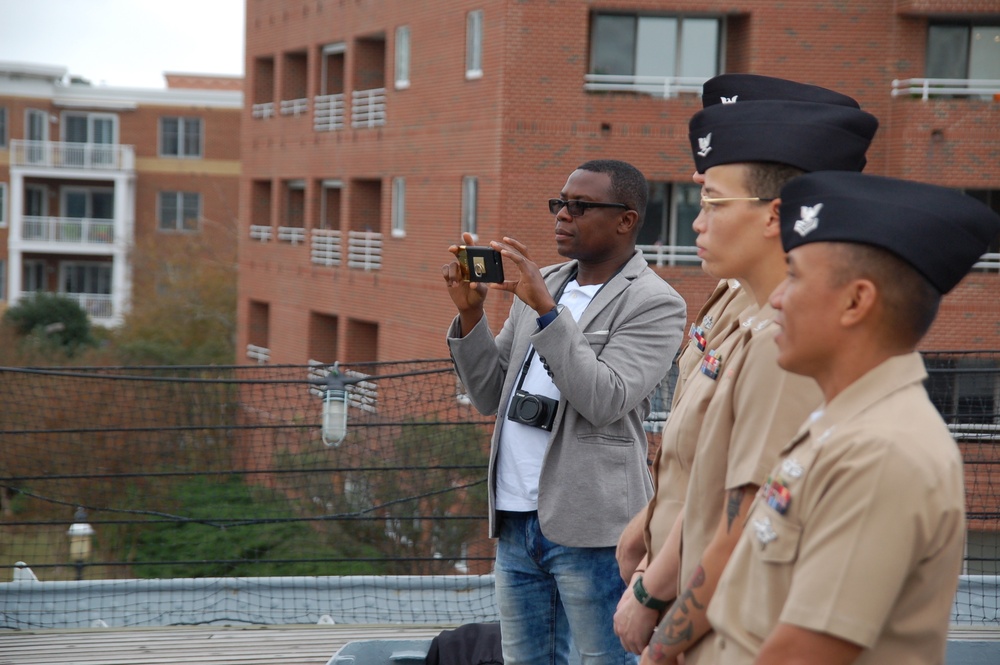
pixel 577 208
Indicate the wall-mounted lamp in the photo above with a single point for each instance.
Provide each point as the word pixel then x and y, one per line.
pixel 80 541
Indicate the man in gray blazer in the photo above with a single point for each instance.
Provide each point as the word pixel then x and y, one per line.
pixel 570 377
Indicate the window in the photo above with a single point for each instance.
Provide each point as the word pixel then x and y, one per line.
pixel 179 211
pixel 295 204
pixel 3 204
pixel 180 137
pixel 92 137
pixel 398 207
pixel 402 57
pixel 963 51
pixel 36 130
pixel 32 275
pixel 667 46
pixel 86 277
pixel 474 45
pixel 470 196
pixel 3 127
pixel 670 211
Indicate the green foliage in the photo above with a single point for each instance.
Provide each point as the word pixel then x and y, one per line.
pixel 50 322
pixel 250 549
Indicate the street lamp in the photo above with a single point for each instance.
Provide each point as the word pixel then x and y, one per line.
pixel 80 544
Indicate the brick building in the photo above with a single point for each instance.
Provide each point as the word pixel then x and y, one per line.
pixel 88 172
pixel 374 133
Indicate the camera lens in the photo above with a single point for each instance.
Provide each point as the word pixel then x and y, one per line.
pixel 530 409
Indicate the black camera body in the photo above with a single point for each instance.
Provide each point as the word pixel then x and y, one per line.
pixel 533 410
pixel 480 264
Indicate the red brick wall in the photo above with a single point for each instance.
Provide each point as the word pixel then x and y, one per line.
pixel 527 123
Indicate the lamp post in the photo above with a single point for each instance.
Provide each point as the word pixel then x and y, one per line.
pixel 80 541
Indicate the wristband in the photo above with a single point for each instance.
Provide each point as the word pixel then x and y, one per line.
pixel 645 599
pixel 547 318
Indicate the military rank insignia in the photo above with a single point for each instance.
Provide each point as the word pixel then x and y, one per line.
pixel 711 364
pixel 697 335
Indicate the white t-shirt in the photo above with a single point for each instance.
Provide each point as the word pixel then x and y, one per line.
pixel 522 447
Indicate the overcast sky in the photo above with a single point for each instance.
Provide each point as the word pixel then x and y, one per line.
pixel 125 42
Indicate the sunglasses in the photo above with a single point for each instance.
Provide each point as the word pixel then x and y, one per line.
pixel 578 208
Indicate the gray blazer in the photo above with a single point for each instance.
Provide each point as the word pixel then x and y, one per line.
pixel 594 475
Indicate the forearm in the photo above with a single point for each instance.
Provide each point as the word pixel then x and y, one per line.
pixel 663 568
pixel 631 550
pixel 686 621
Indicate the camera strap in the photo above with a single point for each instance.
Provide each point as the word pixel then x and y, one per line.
pixel 531 352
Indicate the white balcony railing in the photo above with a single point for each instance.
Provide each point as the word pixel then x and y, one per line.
pixel 988 262
pixel 325 247
pixel 262 233
pixel 364 250
pixel 64 155
pixel 67 230
pixel 927 88
pixel 368 108
pixel 260 354
pixel 294 106
pixel 328 112
pixel 96 305
pixel 669 255
pixel 263 111
pixel 660 86
pixel 293 234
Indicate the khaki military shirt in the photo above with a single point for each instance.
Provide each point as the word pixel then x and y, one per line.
pixel 716 321
pixel 858 533
pixel 756 408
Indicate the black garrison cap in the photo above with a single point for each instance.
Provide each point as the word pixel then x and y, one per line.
pixel 939 231
pixel 806 135
pixel 732 88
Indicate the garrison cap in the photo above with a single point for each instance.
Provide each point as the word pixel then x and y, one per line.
pixel 807 135
pixel 732 88
pixel 939 231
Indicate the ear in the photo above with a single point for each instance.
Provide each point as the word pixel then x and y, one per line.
pixel 860 299
pixel 627 222
pixel 772 227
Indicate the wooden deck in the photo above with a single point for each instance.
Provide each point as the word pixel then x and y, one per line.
pixel 205 645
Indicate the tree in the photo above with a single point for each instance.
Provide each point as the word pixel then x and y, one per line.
pixel 51 322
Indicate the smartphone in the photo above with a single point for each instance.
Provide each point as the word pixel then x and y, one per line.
pixel 480 264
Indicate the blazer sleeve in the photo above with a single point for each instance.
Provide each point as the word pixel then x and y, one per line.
pixel 481 361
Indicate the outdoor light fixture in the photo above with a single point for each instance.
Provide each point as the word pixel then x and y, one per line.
pixel 80 544
pixel 334 408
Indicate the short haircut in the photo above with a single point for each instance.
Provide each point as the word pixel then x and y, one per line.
pixel 628 185
pixel 910 300
pixel 765 179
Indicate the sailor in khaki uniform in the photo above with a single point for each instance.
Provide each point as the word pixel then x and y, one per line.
pixel 741 208
pixel 852 550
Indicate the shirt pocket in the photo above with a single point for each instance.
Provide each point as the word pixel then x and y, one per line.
pixel 770 579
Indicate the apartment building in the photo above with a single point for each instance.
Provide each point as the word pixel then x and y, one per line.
pixel 375 133
pixel 87 172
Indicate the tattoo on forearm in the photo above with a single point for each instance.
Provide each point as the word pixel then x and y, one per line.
pixel 677 626
pixel 733 502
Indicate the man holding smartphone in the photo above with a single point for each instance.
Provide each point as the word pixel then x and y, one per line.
pixel 570 377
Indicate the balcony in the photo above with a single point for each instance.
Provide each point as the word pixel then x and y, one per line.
pixel 926 88
pixel 658 86
pixel 261 233
pixel 260 354
pixel 97 305
pixel 61 155
pixel 328 113
pixel 364 250
pixel 68 230
pixel 295 235
pixel 294 106
pixel 669 255
pixel 263 111
pixel 368 108
pixel 325 247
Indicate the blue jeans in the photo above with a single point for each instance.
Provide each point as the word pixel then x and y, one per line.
pixel 549 594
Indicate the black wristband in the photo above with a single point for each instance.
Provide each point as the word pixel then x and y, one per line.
pixel 547 318
pixel 645 599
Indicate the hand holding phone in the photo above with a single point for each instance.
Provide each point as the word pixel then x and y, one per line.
pixel 480 264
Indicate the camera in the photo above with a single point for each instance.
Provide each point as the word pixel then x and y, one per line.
pixel 533 410
pixel 480 264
